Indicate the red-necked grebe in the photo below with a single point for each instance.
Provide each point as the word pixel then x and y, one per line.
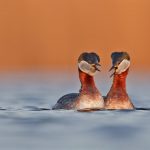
pixel 88 97
pixel 117 97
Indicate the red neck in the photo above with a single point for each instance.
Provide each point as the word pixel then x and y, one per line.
pixel 120 80
pixel 87 82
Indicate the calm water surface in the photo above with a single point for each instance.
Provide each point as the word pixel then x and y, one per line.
pixel 27 123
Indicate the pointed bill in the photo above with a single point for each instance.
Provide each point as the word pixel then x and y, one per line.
pixel 111 68
pixel 114 69
pixel 97 67
pixel 112 75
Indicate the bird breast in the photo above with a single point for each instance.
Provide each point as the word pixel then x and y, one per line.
pixel 87 101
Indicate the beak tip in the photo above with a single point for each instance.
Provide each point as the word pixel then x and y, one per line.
pixel 97 67
pixel 111 68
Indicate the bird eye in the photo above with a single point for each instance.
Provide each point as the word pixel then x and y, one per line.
pixel 116 67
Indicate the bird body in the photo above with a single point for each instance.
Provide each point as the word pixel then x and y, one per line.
pixel 88 97
pixel 117 97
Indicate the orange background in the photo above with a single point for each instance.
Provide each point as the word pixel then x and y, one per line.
pixel 50 34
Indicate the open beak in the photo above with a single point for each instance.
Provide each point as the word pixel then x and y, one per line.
pixel 97 67
pixel 113 68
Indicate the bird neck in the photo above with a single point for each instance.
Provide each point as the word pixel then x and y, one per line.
pixel 119 80
pixel 87 83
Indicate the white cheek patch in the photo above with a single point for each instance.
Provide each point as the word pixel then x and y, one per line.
pixel 86 68
pixel 123 66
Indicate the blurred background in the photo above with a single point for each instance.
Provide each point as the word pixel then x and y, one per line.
pixel 40 41
pixel 51 34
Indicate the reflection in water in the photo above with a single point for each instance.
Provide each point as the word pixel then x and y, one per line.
pixel 27 121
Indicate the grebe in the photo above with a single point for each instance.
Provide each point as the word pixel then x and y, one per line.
pixel 88 97
pixel 117 97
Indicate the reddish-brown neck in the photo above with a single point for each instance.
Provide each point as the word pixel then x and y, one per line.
pixel 87 82
pixel 120 80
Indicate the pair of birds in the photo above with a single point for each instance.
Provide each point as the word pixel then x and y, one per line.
pixel 89 96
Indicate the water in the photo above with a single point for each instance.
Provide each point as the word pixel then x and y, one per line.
pixel 26 121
